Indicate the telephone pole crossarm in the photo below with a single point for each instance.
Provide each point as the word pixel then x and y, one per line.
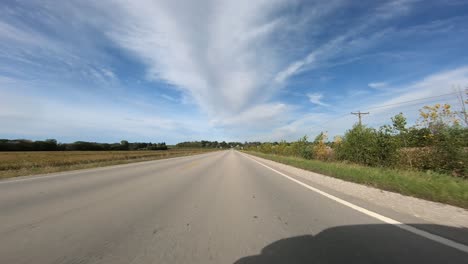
pixel 359 114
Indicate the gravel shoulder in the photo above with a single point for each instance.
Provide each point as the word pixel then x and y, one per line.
pixel 405 209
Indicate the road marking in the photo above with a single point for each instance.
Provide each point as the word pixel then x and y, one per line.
pixel 375 215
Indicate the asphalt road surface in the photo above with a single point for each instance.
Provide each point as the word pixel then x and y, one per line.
pixel 219 207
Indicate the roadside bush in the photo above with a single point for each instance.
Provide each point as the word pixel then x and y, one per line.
pixel 320 150
pixel 387 147
pixel 449 150
pixel 447 153
pixel 421 158
pixel 302 148
pixel 358 145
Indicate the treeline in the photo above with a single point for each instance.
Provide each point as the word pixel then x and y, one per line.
pixel 208 144
pixel 53 145
pixel 437 142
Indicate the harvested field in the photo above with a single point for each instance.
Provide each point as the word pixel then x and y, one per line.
pixel 13 164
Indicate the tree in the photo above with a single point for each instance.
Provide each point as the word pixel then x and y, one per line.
pixel 224 144
pixel 124 145
pixel 447 139
pixel 437 117
pixel 302 148
pixel 399 125
pixel 387 146
pixel 358 145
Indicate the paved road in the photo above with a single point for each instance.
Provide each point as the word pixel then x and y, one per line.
pixel 218 207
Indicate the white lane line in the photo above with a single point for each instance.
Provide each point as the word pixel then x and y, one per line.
pixel 375 215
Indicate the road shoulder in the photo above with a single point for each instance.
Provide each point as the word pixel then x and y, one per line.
pixel 409 210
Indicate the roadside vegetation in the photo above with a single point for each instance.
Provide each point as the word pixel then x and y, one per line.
pixel 13 164
pixel 428 160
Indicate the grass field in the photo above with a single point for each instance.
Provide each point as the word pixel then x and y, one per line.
pixel 13 164
pixel 426 185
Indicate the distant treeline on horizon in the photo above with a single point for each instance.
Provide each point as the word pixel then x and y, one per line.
pixel 53 145
pixel 208 144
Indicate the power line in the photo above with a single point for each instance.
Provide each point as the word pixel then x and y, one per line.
pixel 383 106
pixel 419 99
pixel 417 103
pixel 359 114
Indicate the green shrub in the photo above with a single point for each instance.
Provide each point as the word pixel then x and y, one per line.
pixel 302 148
pixel 449 151
pixel 358 145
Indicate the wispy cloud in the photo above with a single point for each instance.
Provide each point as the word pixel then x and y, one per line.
pixel 350 40
pixel 439 83
pixel 262 117
pixel 228 65
pixel 218 51
pixel 45 117
pixel 316 98
pixel 377 85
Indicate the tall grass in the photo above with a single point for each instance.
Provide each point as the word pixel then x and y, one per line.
pixel 14 164
pixel 432 186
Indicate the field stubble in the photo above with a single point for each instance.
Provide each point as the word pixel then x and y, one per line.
pixel 13 164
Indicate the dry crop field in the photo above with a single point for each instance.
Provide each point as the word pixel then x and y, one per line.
pixel 13 164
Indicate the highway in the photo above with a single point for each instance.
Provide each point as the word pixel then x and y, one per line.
pixel 219 207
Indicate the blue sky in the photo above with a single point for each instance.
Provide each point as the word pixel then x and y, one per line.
pixel 173 70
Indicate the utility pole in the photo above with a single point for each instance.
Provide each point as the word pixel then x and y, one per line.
pixel 359 114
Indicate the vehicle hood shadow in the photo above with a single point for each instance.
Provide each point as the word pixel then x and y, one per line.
pixel 379 243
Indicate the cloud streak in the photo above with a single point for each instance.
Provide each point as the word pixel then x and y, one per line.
pixel 351 40
pixel 241 68
pixel 377 85
pixel 316 98
pixel 216 51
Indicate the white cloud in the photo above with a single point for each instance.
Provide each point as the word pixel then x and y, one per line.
pixel 350 41
pixel 316 98
pixel 16 35
pixel 406 98
pixel 302 125
pixel 394 8
pixel 436 84
pixel 376 85
pixel 84 116
pixel 169 98
pixel 43 117
pixel 260 116
pixel 228 57
pixel 217 51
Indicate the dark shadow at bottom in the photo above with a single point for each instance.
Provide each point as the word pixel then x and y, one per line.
pixel 378 243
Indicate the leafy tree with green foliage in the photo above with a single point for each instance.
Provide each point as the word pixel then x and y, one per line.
pixel 386 149
pixel 124 145
pixel 450 152
pixel 302 148
pixel 358 145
